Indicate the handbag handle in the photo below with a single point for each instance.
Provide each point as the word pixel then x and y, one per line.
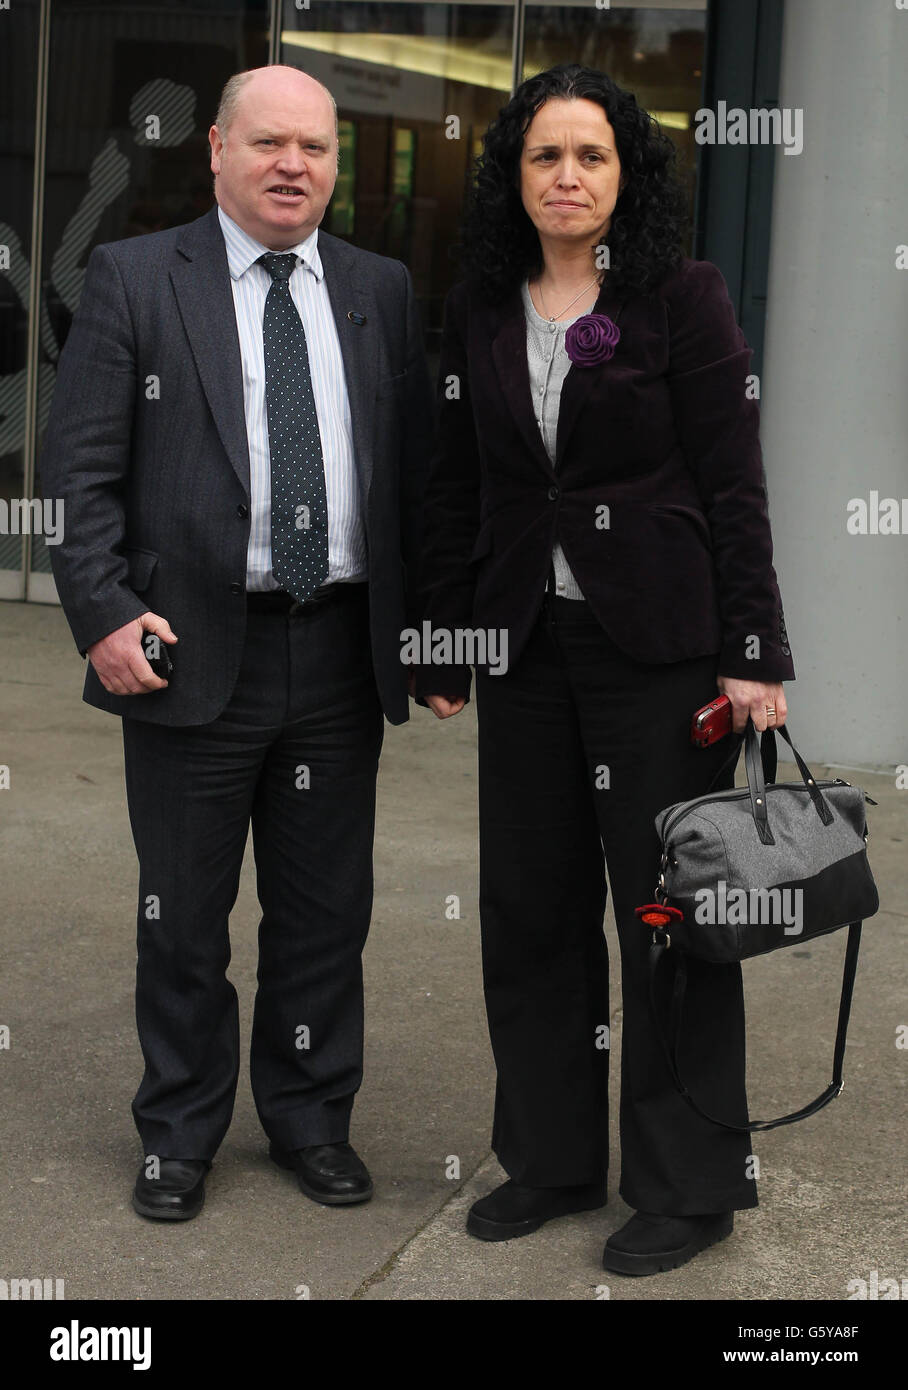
pixel 767 752
pixel 758 767
pixel 756 783
pixel 769 761
pixel 760 763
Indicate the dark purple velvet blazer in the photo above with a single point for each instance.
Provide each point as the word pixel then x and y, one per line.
pixel 663 434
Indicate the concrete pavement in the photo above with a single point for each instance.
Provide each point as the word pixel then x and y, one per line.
pixel 831 1190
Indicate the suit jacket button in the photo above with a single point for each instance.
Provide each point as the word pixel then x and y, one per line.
pixel 553 494
pixel 786 651
pixel 242 510
pixel 237 588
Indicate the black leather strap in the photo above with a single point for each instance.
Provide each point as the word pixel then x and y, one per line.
pixel 730 761
pixel 670 1043
pixel 767 753
pixel 756 784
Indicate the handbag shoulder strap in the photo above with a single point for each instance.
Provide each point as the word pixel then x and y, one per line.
pixel 670 1043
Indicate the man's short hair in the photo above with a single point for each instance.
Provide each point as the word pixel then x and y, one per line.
pixel 231 94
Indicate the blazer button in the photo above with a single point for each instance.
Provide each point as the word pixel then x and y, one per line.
pixel 553 494
pixel 237 588
pixel 786 651
pixel 242 510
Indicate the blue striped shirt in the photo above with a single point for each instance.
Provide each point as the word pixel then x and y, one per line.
pixel 250 283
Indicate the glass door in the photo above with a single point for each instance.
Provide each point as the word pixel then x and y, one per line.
pixel 18 105
pixel 415 86
pixel 132 91
pixel 122 120
pixel 655 50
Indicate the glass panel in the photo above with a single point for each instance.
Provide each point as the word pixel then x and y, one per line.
pixel 415 86
pixel 339 219
pixel 655 50
pixel 127 150
pixel 18 84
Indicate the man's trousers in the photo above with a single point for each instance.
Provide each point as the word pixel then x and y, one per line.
pixel 294 754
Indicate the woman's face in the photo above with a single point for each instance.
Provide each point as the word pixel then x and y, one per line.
pixel 570 174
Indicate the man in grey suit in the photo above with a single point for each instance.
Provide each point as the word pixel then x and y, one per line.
pixel 239 432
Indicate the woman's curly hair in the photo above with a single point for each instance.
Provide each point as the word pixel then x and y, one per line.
pixel 500 245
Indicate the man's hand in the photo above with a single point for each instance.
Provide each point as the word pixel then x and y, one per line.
pixel 120 662
pixel 442 707
pixel 752 698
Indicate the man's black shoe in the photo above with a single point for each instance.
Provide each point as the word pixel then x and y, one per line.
pixel 330 1173
pixel 176 1194
pixel 513 1210
pixel 649 1243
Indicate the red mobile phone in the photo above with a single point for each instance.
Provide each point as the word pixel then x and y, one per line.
pixel 712 722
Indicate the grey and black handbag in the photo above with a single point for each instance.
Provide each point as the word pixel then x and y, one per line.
pixel 757 868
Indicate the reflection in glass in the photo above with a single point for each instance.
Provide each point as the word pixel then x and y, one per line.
pixel 133 88
pixel 416 84
pixel 18 87
pixel 127 150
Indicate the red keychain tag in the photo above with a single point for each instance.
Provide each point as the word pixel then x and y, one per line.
pixel 658 914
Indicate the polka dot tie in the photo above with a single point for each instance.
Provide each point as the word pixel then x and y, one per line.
pixel 299 507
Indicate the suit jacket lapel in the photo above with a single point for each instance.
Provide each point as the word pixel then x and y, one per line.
pixel 349 292
pixel 509 353
pixel 579 381
pixel 201 281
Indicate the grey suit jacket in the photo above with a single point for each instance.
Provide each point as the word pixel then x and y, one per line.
pixel 146 446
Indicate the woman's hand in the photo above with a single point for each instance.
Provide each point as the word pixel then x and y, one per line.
pixel 442 707
pixel 765 704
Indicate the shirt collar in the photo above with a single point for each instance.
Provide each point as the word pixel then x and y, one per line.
pixel 243 250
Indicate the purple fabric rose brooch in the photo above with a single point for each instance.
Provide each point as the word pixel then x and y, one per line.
pixel 591 339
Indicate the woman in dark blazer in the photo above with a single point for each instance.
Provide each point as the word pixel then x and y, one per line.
pixel 597 498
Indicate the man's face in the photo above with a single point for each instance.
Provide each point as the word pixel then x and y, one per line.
pixel 277 166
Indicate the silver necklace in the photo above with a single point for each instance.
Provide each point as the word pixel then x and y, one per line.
pixel 552 317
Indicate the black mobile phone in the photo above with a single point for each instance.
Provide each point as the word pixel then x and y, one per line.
pixel 157 656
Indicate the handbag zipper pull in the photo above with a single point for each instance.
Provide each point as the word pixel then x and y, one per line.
pixel 842 783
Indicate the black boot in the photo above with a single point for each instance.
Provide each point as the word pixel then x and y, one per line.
pixel 649 1243
pixel 512 1210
